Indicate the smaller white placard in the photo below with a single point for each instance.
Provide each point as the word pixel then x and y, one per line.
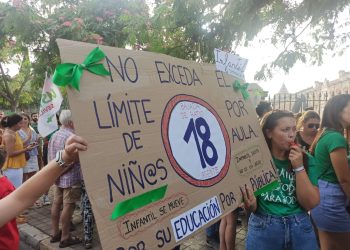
pixel 190 221
pixel 230 63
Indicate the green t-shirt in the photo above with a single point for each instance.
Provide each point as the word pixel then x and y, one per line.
pixel 282 201
pixel 35 127
pixel 329 141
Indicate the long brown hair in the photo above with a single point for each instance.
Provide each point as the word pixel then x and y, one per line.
pixel 11 120
pixel 2 157
pixel 331 117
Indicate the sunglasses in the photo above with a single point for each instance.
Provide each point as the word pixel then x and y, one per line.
pixel 313 125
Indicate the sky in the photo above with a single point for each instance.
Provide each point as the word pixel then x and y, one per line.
pixel 301 76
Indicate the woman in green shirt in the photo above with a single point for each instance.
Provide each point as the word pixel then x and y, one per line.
pixel 330 150
pixel 280 219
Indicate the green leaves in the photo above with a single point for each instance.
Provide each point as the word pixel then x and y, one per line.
pixel 303 30
pixel 36 25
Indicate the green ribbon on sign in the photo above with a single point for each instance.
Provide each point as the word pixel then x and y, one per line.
pixel 70 73
pixel 139 201
pixel 237 86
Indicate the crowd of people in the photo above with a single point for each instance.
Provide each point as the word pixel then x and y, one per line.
pixel 309 209
pixel 26 154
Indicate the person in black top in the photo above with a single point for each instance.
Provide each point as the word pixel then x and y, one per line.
pixel 307 127
pixel 262 108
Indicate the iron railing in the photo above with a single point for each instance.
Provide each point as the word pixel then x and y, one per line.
pixel 301 102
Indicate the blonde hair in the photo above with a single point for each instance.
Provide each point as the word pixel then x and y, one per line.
pixel 310 114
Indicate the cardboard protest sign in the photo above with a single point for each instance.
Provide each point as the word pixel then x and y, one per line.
pixel 170 143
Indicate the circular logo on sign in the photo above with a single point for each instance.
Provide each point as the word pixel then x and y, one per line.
pixel 195 140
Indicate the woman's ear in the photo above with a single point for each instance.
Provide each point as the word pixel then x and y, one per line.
pixel 268 133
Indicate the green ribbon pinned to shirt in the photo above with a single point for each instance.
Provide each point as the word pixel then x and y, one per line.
pixel 267 188
pixel 70 73
pixel 237 86
pixel 139 201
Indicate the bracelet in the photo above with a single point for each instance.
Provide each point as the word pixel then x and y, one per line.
pixel 68 163
pixel 298 169
pixel 59 160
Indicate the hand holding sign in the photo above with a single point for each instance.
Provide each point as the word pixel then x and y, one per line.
pixel 249 199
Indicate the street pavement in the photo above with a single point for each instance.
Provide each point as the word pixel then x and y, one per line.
pixel 36 233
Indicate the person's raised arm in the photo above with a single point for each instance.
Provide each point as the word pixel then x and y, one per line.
pixel 341 168
pixel 33 188
pixel 307 194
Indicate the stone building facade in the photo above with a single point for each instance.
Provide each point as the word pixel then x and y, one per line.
pixel 313 97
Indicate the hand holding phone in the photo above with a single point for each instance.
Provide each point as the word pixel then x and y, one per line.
pixel 33 145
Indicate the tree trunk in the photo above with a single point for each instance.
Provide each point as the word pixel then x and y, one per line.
pixel 13 105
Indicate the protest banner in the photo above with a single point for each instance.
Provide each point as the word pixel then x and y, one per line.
pixel 170 143
pixel 50 103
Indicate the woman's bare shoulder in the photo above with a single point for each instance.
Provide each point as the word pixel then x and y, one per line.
pixel 8 136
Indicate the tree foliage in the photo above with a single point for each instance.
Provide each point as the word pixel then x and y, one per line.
pixel 32 28
pixel 188 29
pixel 304 29
pixel 12 53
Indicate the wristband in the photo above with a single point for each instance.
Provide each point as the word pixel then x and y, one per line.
pixel 299 169
pixel 59 160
